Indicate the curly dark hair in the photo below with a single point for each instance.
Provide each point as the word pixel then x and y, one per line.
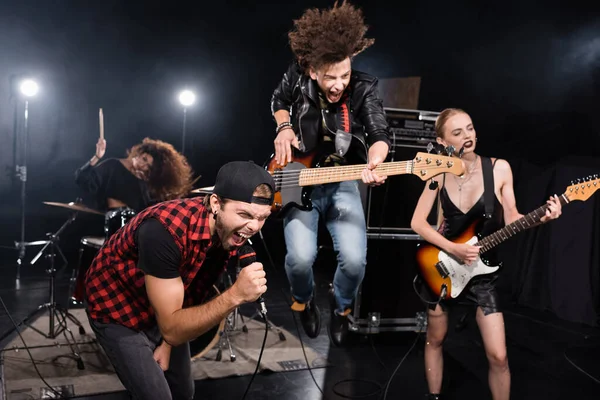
pixel 324 37
pixel 170 176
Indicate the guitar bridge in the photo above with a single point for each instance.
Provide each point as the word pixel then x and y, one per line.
pixel 441 269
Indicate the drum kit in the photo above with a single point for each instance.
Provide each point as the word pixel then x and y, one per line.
pixel 114 220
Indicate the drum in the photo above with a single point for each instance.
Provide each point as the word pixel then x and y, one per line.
pixel 89 246
pixel 203 344
pixel 116 219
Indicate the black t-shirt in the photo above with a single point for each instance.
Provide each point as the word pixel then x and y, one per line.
pixel 158 253
pixel 111 179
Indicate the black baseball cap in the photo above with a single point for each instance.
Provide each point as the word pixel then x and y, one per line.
pixel 237 180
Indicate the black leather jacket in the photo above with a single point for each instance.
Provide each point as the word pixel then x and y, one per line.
pixel 299 94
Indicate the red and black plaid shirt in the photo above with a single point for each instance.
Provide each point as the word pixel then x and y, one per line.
pixel 115 286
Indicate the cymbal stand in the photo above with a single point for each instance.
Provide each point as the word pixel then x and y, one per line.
pixel 229 326
pixel 57 314
pixel 257 312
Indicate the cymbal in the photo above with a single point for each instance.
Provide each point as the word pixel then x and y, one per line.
pixel 204 190
pixel 74 207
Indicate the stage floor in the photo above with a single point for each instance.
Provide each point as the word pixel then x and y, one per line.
pixel 549 358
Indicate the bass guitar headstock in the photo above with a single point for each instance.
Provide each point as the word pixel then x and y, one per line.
pixel 428 165
pixel 583 188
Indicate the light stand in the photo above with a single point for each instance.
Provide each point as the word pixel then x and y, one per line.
pixel 21 171
pixel 183 131
pixel 28 88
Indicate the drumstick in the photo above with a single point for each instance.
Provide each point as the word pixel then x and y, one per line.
pixel 101 125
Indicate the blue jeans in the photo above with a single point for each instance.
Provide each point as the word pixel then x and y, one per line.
pixel 340 204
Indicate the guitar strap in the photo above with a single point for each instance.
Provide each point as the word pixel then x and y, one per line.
pixel 343 135
pixel 488 186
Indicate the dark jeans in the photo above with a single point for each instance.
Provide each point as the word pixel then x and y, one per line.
pixel 131 354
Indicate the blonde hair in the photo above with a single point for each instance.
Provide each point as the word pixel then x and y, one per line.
pixel 443 118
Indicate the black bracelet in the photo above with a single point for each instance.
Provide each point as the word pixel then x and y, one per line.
pixel 282 126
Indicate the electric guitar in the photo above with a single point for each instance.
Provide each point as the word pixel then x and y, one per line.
pixel 447 277
pixel 293 180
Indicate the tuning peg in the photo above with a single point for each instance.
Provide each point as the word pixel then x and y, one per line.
pixel 572 183
pixel 449 150
pixel 429 147
pixel 433 184
pixel 595 176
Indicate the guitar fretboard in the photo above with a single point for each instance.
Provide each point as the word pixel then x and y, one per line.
pixel 527 221
pixel 317 176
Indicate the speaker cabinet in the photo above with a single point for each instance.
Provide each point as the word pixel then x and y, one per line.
pixel 387 300
pixel 390 207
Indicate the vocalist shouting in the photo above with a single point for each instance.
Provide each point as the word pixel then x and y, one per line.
pixel 146 288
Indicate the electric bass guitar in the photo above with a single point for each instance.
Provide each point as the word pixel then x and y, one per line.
pixel 447 276
pixel 293 180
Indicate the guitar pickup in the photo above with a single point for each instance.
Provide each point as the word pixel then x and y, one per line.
pixel 441 269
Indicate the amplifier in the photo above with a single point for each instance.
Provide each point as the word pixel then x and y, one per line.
pixel 411 125
pixel 389 207
pixel 386 300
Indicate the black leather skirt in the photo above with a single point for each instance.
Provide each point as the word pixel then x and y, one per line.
pixel 480 292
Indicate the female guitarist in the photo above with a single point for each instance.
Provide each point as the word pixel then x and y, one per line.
pixel 463 202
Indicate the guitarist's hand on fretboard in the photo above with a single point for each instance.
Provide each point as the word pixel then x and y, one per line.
pixel 554 209
pixel 377 153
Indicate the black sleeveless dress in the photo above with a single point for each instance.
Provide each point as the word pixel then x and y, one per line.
pixel 481 290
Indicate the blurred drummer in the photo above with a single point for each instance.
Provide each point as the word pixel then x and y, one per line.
pixel 153 171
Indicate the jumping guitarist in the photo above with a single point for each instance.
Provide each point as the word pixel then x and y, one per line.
pixel 484 193
pixel 322 99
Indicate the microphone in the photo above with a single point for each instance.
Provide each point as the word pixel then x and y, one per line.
pixel 246 256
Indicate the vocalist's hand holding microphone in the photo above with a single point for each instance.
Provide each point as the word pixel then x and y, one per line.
pixel 251 282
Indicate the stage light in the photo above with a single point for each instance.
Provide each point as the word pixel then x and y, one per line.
pixel 187 98
pixel 29 88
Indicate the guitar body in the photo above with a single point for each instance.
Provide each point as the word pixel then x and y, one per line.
pixel 294 196
pixel 441 270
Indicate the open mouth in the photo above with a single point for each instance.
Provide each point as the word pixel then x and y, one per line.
pixel 334 97
pixel 468 144
pixel 239 238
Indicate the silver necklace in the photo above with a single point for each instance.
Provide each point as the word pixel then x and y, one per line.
pixel 462 180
